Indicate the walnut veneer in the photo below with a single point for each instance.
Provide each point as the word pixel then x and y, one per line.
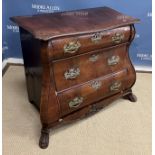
pixel 75 64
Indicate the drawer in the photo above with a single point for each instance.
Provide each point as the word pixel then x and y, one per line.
pixel 79 69
pixel 69 46
pixel 93 91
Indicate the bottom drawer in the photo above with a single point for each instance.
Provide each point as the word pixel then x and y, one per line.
pixel 91 109
pixel 92 91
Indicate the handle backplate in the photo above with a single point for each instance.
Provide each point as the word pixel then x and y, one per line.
pixel 72 47
pixel 75 102
pixel 117 38
pixel 115 86
pixel 113 60
pixel 72 73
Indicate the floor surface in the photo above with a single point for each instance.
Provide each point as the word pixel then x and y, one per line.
pixel 122 128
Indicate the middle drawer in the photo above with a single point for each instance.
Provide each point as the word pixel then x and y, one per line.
pixel 80 69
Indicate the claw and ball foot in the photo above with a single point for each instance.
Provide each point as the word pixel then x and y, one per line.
pixel 44 138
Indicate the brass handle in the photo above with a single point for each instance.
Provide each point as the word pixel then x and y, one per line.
pixel 72 73
pixel 75 102
pixel 115 86
pixel 117 38
pixel 113 60
pixel 96 84
pixel 96 37
pixel 94 58
pixel 72 47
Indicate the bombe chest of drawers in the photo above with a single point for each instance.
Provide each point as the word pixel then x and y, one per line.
pixel 76 63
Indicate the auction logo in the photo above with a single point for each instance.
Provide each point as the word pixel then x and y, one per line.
pixel 13 28
pixel 75 13
pixel 144 56
pixel 149 14
pixel 45 8
pixel 4 47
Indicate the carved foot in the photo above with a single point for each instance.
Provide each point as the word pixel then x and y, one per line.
pixel 31 101
pixel 44 138
pixel 131 97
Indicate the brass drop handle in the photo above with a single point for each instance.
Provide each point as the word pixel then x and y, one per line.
pixel 72 73
pixel 115 86
pixel 97 37
pixel 113 60
pixel 117 38
pixel 96 85
pixel 72 47
pixel 75 102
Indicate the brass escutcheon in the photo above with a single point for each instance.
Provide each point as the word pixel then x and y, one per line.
pixel 96 84
pixel 93 58
pixel 96 38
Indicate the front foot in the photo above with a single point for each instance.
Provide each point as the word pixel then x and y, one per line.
pixel 131 97
pixel 44 138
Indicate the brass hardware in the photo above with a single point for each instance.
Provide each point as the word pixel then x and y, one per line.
pixel 72 73
pixel 93 58
pixel 96 37
pixel 115 86
pixel 113 60
pixel 96 84
pixel 72 47
pixel 95 108
pixel 117 38
pixel 75 102
pixel 60 120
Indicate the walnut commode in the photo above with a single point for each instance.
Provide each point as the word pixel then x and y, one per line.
pixel 76 63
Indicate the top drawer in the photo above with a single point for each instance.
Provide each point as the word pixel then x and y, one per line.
pixel 69 46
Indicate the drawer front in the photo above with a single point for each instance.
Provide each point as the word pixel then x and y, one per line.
pixel 93 91
pixel 69 46
pixel 73 71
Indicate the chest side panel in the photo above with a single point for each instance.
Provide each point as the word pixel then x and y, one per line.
pixel 32 65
